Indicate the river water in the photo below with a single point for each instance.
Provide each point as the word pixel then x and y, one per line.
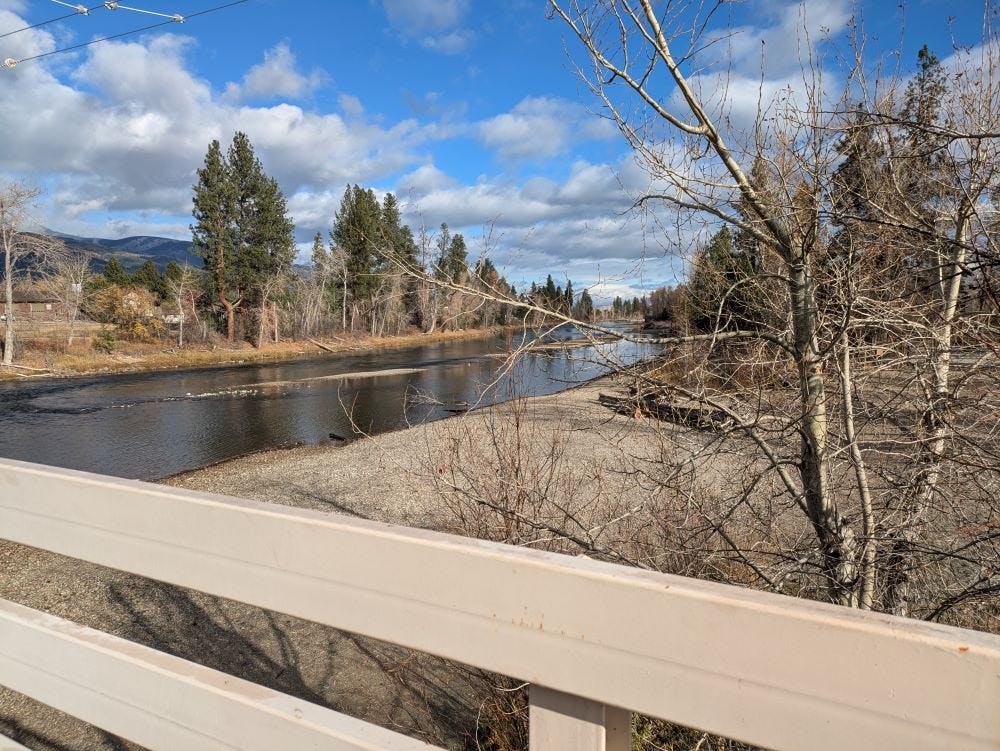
pixel 151 425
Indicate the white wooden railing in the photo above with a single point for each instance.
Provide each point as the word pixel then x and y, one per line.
pixel 596 641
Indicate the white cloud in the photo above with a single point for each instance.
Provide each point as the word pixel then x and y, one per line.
pixel 539 127
pixel 275 77
pixel 425 179
pixel 417 16
pixel 451 43
pixel 784 44
pixel 436 24
pixel 351 105
pixel 118 134
pixel 133 140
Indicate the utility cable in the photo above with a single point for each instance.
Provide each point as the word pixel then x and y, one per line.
pixel 76 12
pixel 10 62
pixel 112 5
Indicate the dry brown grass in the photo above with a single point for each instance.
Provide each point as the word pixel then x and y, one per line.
pixel 129 357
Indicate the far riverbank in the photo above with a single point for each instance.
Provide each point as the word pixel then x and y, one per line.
pixel 137 357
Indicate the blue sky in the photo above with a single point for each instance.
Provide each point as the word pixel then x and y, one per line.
pixel 469 111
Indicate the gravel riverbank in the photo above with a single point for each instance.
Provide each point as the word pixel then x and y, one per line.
pixel 417 477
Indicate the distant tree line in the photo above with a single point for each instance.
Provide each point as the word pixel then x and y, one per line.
pixel 368 274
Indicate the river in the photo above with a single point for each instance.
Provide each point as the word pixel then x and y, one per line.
pixel 152 425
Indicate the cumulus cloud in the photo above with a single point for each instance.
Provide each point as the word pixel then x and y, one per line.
pixel 580 226
pixel 774 53
pixel 118 134
pixel 275 77
pixel 351 105
pixel 129 128
pixel 539 127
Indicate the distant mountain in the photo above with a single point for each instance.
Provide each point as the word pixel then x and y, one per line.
pixel 133 252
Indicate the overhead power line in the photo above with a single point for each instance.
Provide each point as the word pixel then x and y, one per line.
pixel 78 10
pixel 11 62
pixel 111 5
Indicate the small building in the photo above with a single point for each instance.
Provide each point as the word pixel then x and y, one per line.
pixel 33 304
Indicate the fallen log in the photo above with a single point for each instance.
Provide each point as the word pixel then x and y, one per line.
pixel 321 345
pixel 660 407
pixel 25 367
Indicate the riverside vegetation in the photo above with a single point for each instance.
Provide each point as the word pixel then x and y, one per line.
pixel 369 282
pixel 824 420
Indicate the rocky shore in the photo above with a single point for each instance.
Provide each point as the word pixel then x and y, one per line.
pixel 416 477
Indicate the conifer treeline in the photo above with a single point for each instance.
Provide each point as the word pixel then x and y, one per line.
pixel 881 172
pixel 369 274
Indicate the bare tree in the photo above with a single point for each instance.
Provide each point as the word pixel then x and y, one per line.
pixel 184 291
pixel 850 461
pixel 20 248
pixel 67 279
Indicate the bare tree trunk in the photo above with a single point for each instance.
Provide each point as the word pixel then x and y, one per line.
pixel 74 312
pixel 837 540
pixel 343 307
pixel 865 597
pixel 8 339
pixel 934 424
pixel 230 316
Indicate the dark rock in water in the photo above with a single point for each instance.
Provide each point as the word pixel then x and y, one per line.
pixel 336 437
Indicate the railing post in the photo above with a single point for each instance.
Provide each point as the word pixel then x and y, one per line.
pixel 563 722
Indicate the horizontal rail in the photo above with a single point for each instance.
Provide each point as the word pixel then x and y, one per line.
pixel 770 670
pixel 165 702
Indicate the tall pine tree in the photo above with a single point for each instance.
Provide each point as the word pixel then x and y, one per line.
pixel 242 229
pixel 357 230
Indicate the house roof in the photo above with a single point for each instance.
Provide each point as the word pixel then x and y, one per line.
pixel 32 295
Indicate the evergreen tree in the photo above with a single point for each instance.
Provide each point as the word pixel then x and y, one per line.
pixel 212 233
pixel 923 156
pixel 242 228
pixel 320 258
pixel 568 296
pixel 549 292
pixel 453 259
pixel 400 247
pixel 396 236
pixel 172 272
pixel 149 277
pixel 584 309
pixel 115 273
pixel 272 235
pixel 721 288
pixel 356 229
pixel 486 271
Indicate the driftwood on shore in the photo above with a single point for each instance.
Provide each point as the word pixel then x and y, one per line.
pixel 25 367
pixel 662 407
pixel 320 345
pixel 589 341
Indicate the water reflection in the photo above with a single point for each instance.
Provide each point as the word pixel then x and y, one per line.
pixel 152 425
